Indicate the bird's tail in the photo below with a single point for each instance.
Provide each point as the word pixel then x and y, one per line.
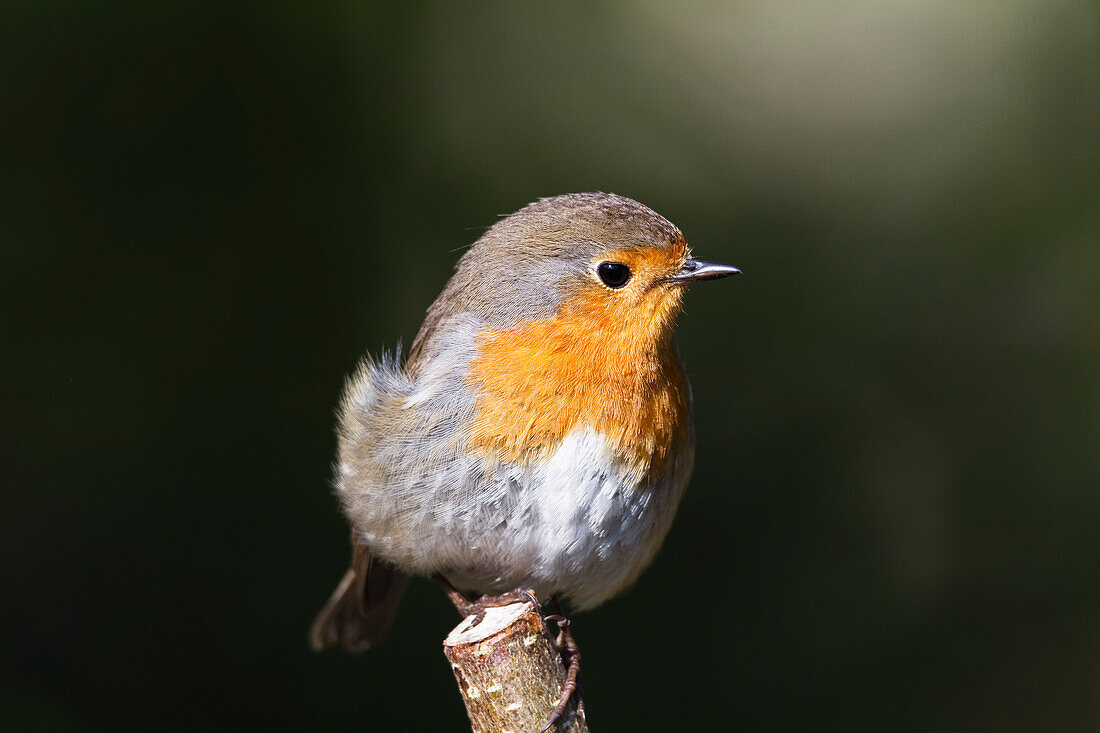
pixel 362 606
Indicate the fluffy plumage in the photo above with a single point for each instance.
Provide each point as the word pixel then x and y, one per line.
pixel 538 434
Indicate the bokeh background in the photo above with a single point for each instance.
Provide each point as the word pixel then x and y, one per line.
pixel 209 210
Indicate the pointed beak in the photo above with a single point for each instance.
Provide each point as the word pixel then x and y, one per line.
pixel 697 270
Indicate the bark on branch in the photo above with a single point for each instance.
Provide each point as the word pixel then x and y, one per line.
pixel 509 671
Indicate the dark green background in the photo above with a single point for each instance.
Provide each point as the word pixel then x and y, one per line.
pixel 209 210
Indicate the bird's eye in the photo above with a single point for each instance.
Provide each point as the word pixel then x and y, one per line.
pixel 613 274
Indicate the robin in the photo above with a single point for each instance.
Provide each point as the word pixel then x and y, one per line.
pixel 538 434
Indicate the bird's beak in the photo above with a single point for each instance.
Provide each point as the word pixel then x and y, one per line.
pixel 697 270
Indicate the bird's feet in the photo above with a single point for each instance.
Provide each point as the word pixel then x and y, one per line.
pixel 477 607
pixel 571 658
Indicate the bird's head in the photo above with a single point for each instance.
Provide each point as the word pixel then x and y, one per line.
pixel 603 262
pixel 578 294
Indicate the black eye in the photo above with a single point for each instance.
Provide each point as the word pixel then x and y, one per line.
pixel 613 274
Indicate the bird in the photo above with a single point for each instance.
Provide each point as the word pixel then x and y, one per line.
pixel 538 433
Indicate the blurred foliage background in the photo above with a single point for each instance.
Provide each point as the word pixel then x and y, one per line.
pixel 210 210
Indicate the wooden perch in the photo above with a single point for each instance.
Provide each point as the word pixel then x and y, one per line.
pixel 509 671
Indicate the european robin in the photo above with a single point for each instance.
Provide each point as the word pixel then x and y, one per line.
pixel 538 433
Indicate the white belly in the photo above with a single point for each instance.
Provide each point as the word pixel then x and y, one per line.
pixel 576 525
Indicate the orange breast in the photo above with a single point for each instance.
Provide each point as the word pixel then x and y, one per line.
pixel 592 365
